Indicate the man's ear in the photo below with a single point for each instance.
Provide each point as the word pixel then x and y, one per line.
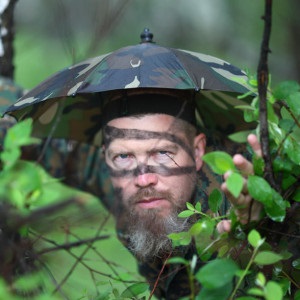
pixel 199 148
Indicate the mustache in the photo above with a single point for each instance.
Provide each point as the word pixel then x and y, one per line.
pixel 150 192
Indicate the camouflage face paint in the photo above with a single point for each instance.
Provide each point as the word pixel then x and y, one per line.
pixel 145 169
pixel 111 133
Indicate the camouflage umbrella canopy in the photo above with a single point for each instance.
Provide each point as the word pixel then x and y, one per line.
pixel 68 104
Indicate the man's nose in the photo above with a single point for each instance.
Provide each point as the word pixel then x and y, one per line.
pixel 146 179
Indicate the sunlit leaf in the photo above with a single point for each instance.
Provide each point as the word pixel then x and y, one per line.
pixel 220 162
pixel 254 238
pixel 190 206
pixel 260 279
pixel 186 214
pixel 235 183
pixel 196 228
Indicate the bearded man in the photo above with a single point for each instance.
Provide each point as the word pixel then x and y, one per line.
pixel 154 154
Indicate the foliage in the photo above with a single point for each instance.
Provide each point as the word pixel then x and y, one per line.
pixel 260 260
pixel 30 200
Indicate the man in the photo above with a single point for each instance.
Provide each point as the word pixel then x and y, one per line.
pixel 154 153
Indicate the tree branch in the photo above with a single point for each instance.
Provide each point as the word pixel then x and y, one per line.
pixel 262 78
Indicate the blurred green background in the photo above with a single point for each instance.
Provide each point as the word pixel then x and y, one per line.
pixel 53 34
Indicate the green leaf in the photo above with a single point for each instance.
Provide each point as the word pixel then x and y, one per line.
pixel 277 210
pixel 293 101
pixel 296 195
pixel 254 238
pixel 19 135
pixel 198 207
pixel 260 190
pixel 235 184
pixel 178 260
pixel 240 137
pixel 186 214
pixel 273 291
pixel 196 228
pixel 296 264
pixel 255 292
pixel 258 165
pixel 9 157
pixel 285 88
pixel 202 225
pixel 215 200
pixel 260 279
pixel 292 148
pixel 220 162
pixel 180 239
pixel 297 295
pixel 135 290
pixel 217 273
pixel 190 206
pixel 267 258
pixel 221 293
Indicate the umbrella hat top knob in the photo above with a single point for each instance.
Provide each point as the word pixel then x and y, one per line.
pixel 146 36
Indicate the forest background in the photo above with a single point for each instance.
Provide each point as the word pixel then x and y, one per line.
pixel 50 35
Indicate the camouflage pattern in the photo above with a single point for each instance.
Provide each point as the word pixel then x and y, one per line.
pixel 69 104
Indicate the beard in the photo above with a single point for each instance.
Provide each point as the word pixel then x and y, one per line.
pixel 148 230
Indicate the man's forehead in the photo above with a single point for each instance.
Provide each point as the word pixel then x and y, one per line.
pixel 147 122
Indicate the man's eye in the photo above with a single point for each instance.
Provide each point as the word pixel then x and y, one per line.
pixel 123 160
pixel 163 156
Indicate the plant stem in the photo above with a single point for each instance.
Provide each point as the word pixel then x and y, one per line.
pixel 244 274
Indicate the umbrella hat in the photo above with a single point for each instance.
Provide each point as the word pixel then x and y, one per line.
pixel 70 103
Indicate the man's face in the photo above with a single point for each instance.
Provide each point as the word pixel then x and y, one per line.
pixel 153 167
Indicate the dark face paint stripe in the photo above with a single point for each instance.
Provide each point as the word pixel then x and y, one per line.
pixel 111 133
pixel 160 170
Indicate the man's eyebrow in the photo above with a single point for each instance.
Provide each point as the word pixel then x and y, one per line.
pixel 111 133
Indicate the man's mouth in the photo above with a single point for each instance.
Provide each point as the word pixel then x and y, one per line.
pixel 152 203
